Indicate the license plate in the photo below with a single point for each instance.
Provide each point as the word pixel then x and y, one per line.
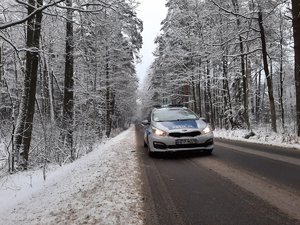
pixel 185 141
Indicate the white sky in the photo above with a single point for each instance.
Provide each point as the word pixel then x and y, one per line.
pixel 152 12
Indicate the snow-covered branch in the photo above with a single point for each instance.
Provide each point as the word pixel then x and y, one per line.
pixel 10 24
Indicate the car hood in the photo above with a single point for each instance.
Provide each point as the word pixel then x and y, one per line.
pixel 180 125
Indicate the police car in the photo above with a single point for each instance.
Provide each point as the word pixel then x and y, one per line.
pixel 176 128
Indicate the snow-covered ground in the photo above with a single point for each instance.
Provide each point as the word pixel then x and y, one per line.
pixel 102 187
pixel 261 136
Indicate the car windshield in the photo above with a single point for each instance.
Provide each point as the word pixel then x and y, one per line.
pixel 161 115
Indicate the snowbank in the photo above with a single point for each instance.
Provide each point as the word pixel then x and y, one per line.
pixel 102 187
pixel 261 136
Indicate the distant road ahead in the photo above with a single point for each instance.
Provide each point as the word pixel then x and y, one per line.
pixel 240 183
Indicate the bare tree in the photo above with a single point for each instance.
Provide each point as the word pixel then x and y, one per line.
pixel 266 69
pixel 243 66
pixel 296 33
pixel 68 105
pixel 25 120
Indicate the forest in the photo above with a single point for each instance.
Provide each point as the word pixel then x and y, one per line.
pixel 234 62
pixel 67 77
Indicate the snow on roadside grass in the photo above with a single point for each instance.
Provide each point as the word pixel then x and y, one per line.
pixel 261 136
pixel 102 187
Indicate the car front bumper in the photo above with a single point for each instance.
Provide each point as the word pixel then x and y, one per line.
pixel 170 144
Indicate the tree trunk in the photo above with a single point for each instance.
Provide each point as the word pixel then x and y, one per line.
pixel 199 89
pixel 281 76
pixel 258 98
pixel 22 111
pixel 45 100
pixel 1 66
pixel 267 73
pixel 32 86
pixel 296 34
pixel 226 95
pixel 243 70
pixel 1 75
pixel 68 106
pixel 25 120
pixel 209 103
pixel 108 97
pixel 195 107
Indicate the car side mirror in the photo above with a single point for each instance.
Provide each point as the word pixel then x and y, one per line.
pixel 145 122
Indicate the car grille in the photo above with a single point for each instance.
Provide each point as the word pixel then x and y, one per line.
pixel 188 134
pixel 189 146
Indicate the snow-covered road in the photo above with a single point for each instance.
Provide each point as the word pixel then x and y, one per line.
pixel 102 187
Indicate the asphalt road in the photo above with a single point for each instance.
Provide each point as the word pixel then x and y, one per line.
pixel 240 183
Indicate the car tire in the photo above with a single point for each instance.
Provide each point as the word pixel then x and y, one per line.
pixel 209 152
pixel 150 153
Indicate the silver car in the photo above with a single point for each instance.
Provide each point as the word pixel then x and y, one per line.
pixel 173 129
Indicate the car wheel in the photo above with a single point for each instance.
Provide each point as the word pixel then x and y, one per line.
pixel 209 152
pixel 150 153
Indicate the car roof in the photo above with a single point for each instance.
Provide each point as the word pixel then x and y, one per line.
pixel 169 108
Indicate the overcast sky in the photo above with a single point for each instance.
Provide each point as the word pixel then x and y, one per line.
pixel 152 12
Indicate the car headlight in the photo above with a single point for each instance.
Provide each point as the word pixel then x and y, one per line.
pixel 158 132
pixel 207 129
